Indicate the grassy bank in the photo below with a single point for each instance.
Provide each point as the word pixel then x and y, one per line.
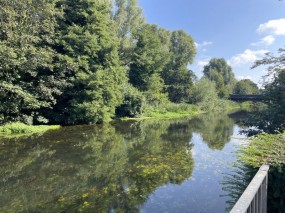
pixel 172 110
pixel 168 111
pixel 18 128
pixel 165 111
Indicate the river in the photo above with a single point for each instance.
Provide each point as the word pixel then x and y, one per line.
pixel 177 165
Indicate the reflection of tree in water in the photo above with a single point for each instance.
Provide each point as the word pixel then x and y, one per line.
pixel 94 169
pixel 215 129
pixel 235 182
pixel 160 156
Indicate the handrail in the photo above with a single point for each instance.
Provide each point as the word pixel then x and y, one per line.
pixel 254 198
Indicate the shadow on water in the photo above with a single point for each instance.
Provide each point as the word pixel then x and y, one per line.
pixel 104 168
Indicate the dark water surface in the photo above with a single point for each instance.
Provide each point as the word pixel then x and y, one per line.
pixel 180 165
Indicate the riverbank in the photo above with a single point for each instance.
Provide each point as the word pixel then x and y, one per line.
pixel 167 111
pixel 172 110
pixel 19 129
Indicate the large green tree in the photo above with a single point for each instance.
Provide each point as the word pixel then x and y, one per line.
pixel 272 118
pixel 178 78
pixel 87 49
pixel 205 95
pixel 150 56
pixel 221 73
pixel 28 81
pixel 128 20
pixel 245 87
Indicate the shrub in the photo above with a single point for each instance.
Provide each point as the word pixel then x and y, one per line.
pixel 133 102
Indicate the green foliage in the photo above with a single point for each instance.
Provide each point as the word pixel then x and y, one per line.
pixel 269 149
pixel 133 102
pixel 87 48
pixel 177 77
pixel 179 84
pixel 155 95
pixel 171 110
pixel 271 119
pixel 264 149
pixel 20 128
pixel 149 57
pixel 183 49
pixel 245 87
pixel 88 61
pixel 128 20
pixel 206 97
pixel 29 82
pixel 221 73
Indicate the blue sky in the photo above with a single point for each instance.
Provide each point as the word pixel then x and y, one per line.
pixel 240 31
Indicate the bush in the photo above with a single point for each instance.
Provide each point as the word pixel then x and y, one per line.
pixel 133 102
pixel 264 149
pixel 206 97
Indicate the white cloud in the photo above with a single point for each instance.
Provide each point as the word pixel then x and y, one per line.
pixel 203 44
pixel 267 40
pixel 275 27
pixel 248 56
pixel 206 43
pixel 244 77
pixel 202 63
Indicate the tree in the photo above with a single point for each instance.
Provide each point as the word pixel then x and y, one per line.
pixel 177 77
pixel 269 148
pixel 271 119
pixel 128 20
pixel 29 82
pixel 245 87
pixel 149 57
pixel 155 94
pixel 133 102
pixel 205 95
pixel 219 71
pixel 87 47
pixel 179 84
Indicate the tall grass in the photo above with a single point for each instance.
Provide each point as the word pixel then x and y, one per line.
pixel 20 128
pixel 171 110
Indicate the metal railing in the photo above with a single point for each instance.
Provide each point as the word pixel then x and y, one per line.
pixel 254 198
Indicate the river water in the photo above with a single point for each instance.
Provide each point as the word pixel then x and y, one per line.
pixel 179 165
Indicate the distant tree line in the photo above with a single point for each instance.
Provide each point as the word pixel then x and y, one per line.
pixel 75 62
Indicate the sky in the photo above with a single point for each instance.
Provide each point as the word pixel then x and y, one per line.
pixel 241 31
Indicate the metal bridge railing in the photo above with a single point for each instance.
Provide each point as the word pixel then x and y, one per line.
pixel 254 198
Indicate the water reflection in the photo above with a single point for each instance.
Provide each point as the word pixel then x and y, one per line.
pixel 109 168
pixel 215 129
pixel 235 182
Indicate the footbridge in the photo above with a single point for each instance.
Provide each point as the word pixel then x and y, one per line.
pixel 242 98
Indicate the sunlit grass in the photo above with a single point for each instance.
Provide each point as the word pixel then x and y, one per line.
pixel 168 111
pixel 18 128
